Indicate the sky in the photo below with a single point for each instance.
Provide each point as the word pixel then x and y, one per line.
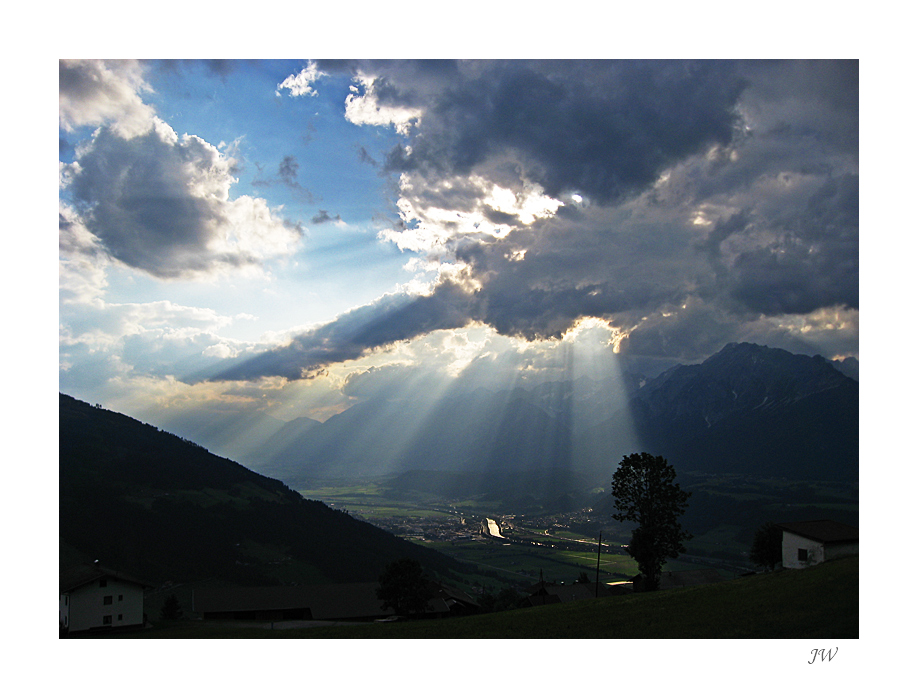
pixel 250 235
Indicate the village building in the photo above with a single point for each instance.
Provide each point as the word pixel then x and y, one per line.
pixel 93 597
pixel 806 543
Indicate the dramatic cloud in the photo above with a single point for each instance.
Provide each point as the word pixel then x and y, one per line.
pixel 813 261
pixel 659 209
pixel 605 130
pixel 681 202
pixel 161 203
pixel 391 319
pixel 94 92
pixel 364 107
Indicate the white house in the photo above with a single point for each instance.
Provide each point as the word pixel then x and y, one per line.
pixel 93 597
pixel 806 543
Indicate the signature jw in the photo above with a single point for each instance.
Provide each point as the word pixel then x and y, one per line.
pixel 823 655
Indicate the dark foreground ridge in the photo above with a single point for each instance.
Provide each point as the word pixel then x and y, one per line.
pixel 161 508
pixel 819 602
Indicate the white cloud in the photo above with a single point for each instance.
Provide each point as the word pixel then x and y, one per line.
pixel 362 107
pixel 437 212
pixel 95 92
pixel 302 83
pixel 81 266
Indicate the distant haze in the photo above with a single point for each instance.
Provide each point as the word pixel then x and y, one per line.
pixel 747 410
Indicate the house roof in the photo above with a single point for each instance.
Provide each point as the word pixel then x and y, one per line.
pixel 822 530
pixel 452 596
pixel 80 575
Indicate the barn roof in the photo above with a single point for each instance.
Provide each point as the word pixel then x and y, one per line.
pixel 822 530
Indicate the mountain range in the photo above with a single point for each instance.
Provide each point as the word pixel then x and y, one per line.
pixel 747 409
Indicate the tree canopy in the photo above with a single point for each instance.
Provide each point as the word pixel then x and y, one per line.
pixel 766 546
pixel 645 492
pixel 404 587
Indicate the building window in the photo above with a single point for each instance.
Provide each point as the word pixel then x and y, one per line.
pixel 120 616
pixel 106 620
pixel 801 555
pixel 121 597
pixel 107 601
pixel 103 583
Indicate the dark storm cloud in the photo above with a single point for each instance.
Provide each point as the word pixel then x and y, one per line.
pixel 500 217
pixel 814 261
pixel 816 100
pixel 717 195
pixel 695 332
pixel 603 129
pixel 389 320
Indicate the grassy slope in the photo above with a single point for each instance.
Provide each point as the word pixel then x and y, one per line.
pixel 821 602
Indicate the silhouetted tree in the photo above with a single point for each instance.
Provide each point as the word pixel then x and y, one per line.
pixel 766 546
pixel 644 491
pixel 172 609
pixel 404 587
pixel 506 599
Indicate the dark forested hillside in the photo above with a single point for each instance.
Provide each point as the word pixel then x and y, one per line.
pixel 158 506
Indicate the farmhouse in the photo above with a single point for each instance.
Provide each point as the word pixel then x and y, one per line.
pixel 93 597
pixel 806 543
